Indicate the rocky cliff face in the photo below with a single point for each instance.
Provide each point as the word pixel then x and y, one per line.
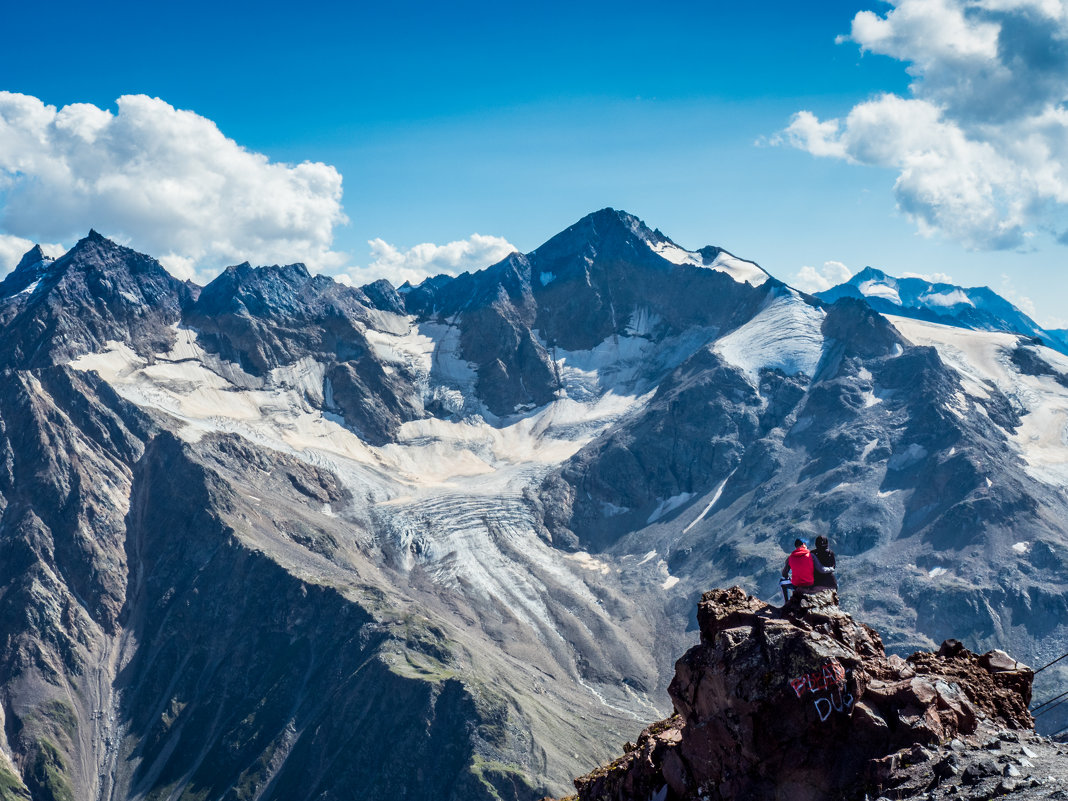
pixel 804 703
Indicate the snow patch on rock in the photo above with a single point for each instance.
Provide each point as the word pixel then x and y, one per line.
pixel 588 562
pixel 740 270
pixel 668 505
pixel 955 297
pixel 786 334
pixel 880 289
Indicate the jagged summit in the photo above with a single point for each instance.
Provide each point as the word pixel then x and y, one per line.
pixel 610 234
pixel 98 292
pixel 31 267
pixel 384 296
pixel 33 256
pixel 596 229
pixel 272 291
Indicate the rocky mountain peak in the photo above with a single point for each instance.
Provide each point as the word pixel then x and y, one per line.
pixel 604 234
pixel 99 291
pixel 32 257
pixel 802 702
pixel 94 243
pixel 273 291
pixel 383 295
pixel 288 294
pixel 31 267
pixel 869 273
pixel 262 318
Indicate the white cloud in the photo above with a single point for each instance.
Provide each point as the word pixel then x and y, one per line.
pixel 427 259
pixel 166 181
pixel 981 146
pixel 811 279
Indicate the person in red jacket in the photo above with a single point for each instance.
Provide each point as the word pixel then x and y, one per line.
pixel 800 569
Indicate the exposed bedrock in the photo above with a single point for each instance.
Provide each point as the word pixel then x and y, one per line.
pixel 803 703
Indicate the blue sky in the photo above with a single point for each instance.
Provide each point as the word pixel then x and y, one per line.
pixel 428 123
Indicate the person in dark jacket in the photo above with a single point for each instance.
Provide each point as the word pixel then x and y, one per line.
pixel 824 556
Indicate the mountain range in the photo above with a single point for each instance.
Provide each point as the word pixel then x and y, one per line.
pixel 281 538
pixel 978 308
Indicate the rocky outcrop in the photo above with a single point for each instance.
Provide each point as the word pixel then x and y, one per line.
pixel 803 703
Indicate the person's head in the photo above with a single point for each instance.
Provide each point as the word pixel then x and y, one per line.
pixel 821 543
pixel 799 543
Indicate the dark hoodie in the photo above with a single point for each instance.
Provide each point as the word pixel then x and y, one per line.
pixel 825 557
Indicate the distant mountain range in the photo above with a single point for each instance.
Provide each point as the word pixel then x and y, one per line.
pixel 978 308
pixel 280 538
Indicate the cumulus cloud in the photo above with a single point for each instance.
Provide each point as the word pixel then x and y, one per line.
pixel 981 145
pixel 164 180
pixel 427 259
pixel 812 279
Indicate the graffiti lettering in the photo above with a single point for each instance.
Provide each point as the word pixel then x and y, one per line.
pixel 832 674
pixel 836 701
pixel 828 685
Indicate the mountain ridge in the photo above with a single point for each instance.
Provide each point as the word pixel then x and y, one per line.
pixel 516 480
pixel 978 308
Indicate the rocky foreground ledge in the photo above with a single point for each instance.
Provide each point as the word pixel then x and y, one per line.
pixel 803 703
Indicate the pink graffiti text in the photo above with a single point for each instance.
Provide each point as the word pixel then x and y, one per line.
pixel 830 675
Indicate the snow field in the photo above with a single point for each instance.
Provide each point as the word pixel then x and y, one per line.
pixel 786 334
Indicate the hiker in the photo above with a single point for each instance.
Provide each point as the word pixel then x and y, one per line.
pixel 824 556
pixel 800 569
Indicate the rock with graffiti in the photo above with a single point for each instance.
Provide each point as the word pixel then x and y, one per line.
pixel 826 688
pixel 805 701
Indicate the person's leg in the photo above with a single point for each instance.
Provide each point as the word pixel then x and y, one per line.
pixel 786 585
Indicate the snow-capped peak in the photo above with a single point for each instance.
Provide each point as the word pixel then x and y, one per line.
pixel 978 308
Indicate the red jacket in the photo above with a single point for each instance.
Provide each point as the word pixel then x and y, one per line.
pixel 800 565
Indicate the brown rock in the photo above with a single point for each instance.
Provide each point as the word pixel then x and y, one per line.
pixel 803 699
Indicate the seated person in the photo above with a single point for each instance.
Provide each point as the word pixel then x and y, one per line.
pixel 824 556
pixel 800 569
